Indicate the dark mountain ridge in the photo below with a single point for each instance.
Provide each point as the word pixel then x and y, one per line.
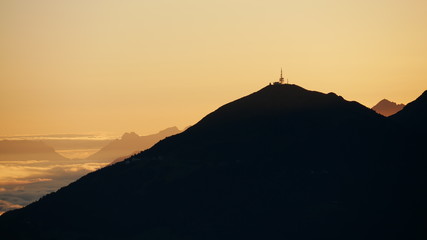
pixel 283 162
pixel 414 115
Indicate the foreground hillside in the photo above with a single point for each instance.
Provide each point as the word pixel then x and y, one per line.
pixel 281 163
pixel 414 115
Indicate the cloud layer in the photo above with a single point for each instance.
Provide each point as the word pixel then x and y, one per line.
pixel 22 182
pixel 6 206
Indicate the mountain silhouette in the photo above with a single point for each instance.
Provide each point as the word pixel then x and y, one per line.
pixel 387 108
pixel 414 115
pixel 130 143
pixel 19 150
pixel 281 163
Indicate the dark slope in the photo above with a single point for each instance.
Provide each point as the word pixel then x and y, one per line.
pixel 387 108
pixel 414 115
pixel 282 163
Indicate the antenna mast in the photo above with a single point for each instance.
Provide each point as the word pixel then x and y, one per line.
pixel 281 79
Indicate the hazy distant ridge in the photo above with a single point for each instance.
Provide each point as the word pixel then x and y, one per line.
pixel 16 150
pixel 130 143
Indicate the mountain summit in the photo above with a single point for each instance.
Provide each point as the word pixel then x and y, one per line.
pixel 129 136
pixel 387 108
pixel 281 163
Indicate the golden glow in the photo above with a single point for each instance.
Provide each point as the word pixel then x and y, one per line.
pixel 103 65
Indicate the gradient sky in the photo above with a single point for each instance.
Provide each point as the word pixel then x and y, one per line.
pixel 113 66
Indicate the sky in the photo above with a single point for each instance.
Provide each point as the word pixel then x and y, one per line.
pixel 97 66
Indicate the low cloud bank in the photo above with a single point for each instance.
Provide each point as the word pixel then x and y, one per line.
pixel 7 206
pixel 24 182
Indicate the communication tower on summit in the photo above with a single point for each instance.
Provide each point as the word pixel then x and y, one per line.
pixel 281 79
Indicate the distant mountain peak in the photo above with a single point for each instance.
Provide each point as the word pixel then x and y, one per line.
pixel 386 101
pixel 387 108
pixel 129 136
pixel 173 130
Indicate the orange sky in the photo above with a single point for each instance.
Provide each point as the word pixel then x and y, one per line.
pixel 114 66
